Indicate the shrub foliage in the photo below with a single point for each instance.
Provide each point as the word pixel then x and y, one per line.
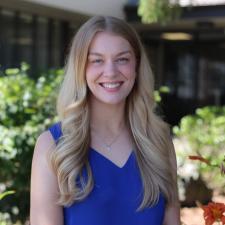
pixel 27 109
pixel 203 134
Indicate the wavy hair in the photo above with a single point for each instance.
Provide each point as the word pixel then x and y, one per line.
pixel 152 137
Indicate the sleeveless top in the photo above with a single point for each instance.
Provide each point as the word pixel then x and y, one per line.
pixel 116 195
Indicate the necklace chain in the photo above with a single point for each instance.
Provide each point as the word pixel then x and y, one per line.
pixel 106 145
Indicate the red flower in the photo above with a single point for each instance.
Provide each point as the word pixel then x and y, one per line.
pixel 200 158
pixel 214 212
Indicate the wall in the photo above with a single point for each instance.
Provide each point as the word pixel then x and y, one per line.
pixel 90 7
pixel 201 2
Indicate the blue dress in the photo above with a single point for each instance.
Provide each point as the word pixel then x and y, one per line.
pixel 116 195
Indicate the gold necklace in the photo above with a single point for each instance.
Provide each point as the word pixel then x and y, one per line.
pixel 107 146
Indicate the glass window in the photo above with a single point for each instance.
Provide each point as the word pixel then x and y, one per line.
pixel 41 43
pixel 56 39
pixel 6 38
pixel 186 76
pixel 24 40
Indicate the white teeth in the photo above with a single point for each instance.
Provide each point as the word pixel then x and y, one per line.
pixel 111 85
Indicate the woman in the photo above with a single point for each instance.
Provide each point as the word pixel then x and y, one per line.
pixel 111 158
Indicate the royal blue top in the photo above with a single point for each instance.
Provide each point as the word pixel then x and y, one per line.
pixel 116 195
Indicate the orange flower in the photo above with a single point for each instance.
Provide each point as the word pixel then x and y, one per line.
pixel 200 158
pixel 214 212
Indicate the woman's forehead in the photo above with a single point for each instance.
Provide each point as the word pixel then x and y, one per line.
pixel 109 42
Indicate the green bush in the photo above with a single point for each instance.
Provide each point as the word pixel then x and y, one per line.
pixel 161 11
pixel 202 134
pixel 27 109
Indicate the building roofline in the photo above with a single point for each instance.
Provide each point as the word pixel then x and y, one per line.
pixel 43 10
pixel 182 25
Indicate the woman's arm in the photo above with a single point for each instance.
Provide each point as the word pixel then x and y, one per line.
pixel 44 187
pixel 172 213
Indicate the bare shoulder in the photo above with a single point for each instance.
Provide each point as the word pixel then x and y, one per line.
pixel 44 185
pixel 40 163
pixel 44 143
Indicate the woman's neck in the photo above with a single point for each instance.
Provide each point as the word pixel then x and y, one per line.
pixel 107 117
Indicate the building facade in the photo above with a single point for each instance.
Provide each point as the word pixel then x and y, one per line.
pixel 188 56
pixel 39 31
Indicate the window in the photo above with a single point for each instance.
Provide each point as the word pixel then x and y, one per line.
pixel 6 38
pixel 40 41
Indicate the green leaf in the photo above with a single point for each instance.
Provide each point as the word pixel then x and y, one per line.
pixel 12 71
pixel 4 194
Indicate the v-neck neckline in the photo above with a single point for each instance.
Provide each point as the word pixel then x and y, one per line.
pixel 110 161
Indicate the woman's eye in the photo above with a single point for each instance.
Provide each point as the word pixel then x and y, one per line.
pixel 96 61
pixel 122 60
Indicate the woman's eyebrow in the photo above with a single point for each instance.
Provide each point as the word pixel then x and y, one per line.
pixel 95 53
pixel 118 54
pixel 124 52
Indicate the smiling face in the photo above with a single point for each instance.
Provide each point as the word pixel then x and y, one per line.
pixel 111 68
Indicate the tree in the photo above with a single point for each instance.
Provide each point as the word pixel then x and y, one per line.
pixel 161 11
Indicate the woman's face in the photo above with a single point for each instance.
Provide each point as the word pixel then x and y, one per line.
pixel 111 68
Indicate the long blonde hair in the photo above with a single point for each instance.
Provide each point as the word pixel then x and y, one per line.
pixel 151 134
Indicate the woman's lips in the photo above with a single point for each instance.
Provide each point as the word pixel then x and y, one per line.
pixel 111 85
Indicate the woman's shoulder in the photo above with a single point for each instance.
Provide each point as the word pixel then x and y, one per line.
pixel 43 197
pixel 44 144
pixel 47 140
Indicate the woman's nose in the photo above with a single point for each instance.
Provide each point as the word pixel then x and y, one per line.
pixel 110 69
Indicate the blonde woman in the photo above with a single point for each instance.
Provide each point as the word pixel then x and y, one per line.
pixel 110 160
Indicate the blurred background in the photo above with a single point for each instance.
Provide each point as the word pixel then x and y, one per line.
pixel 185 42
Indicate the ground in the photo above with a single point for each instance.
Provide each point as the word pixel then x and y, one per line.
pixel 194 216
